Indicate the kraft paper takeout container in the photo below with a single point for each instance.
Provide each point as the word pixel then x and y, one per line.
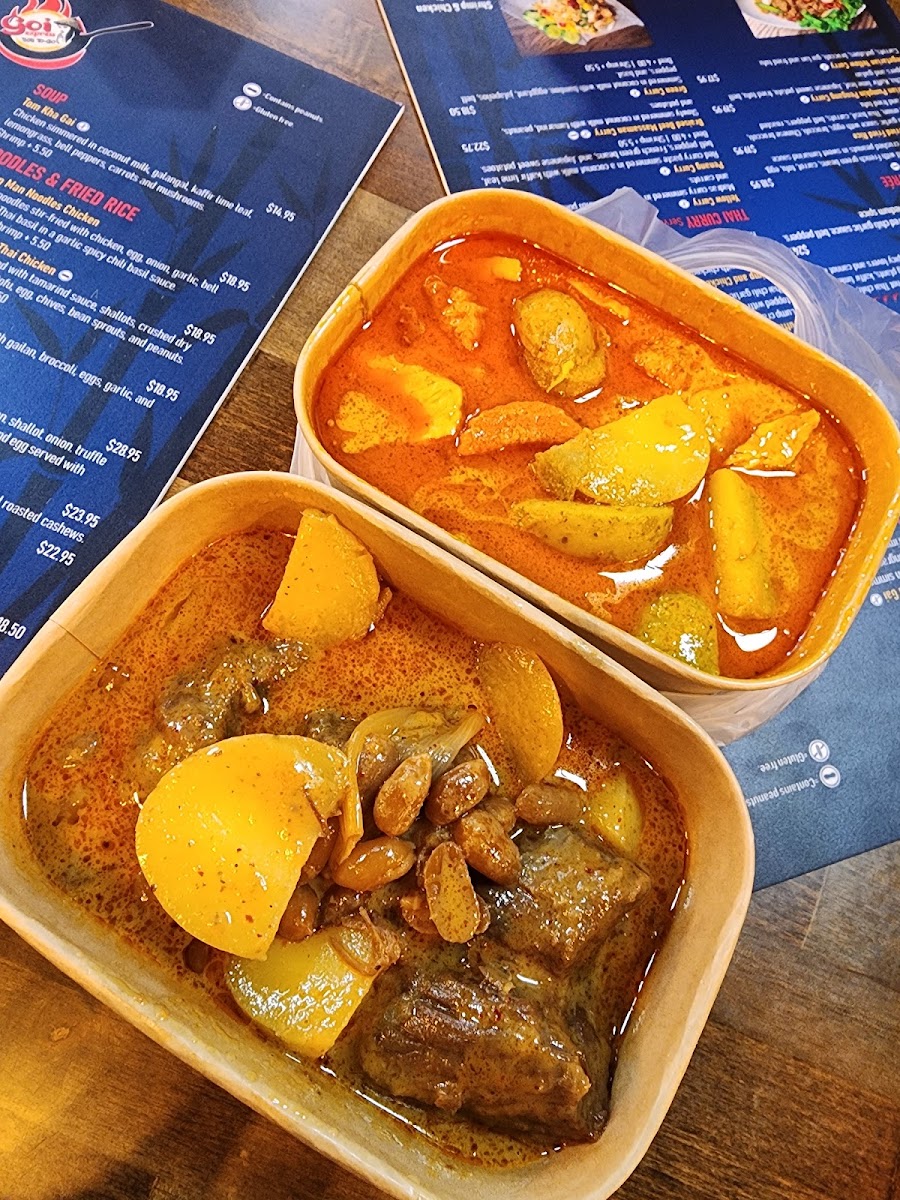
pixel 726 707
pixel 684 980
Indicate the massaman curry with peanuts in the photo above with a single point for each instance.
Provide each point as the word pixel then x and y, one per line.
pixel 601 450
pixel 399 852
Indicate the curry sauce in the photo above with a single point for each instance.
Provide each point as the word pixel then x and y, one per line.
pixel 199 666
pixel 403 406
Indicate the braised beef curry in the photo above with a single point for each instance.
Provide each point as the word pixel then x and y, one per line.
pixel 463 878
pixel 598 448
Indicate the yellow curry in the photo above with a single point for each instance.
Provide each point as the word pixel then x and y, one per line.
pixel 398 852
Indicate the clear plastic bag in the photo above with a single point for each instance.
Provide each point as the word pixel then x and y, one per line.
pixel 844 323
pixel 839 320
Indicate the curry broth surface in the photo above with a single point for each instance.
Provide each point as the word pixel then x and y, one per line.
pixel 84 785
pixel 470 496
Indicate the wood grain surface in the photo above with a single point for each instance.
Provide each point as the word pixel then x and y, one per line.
pixel 794 1090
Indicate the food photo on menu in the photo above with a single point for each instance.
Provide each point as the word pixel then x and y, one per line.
pixel 415 794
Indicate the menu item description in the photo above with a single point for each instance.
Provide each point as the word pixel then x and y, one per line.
pixel 721 114
pixel 159 197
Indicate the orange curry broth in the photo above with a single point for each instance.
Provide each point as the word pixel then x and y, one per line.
pixel 85 782
pixel 810 510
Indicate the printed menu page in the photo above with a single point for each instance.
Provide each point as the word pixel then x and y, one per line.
pixel 779 116
pixel 820 779
pixel 163 183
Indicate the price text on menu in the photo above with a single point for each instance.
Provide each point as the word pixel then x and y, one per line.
pixel 161 190
pixel 724 113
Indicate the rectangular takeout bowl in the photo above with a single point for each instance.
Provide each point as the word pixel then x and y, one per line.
pixel 713 316
pixel 680 989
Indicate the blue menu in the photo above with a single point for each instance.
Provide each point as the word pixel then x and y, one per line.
pixel 820 779
pixel 780 116
pixel 163 183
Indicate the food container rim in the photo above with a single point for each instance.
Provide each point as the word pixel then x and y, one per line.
pixel 664 665
pixel 142 1008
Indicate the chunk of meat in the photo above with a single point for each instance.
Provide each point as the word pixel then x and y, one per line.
pixel 570 895
pixel 678 364
pixel 458 310
pixel 326 725
pixel 464 1045
pixel 212 699
pixel 409 324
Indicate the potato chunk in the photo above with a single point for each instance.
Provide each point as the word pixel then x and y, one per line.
pixel 741 549
pixel 775 444
pixel 329 591
pixel 306 992
pixel 615 813
pixel 224 835
pixel 433 403
pixel 520 423
pixel 498 266
pixel 560 343
pixel 622 534
pixel 651 456
pixel 683 626
pixel 368 423
pixel 524 707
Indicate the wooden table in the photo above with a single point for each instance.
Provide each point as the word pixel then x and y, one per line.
pixel 794 1090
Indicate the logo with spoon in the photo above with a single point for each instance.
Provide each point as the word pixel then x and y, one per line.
pixel 44 34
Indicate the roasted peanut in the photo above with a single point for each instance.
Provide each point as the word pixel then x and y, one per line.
pixel 549 804
pixel 320 854
pixel 372 864
pixel 414 910
pixel 487 848
pixel 426 837
pixel 338 903
pixel 298 920
pixel 365 946
pixel 196 955
pixel 457 790
pixel 402 795
pixel 502 809
pixel 452 903
pixel 377 759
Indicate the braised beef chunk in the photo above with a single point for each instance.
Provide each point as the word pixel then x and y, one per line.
pixel 569 896
pixel 464 1045
pixel 207 702
pixel 211 700
pixel 326 725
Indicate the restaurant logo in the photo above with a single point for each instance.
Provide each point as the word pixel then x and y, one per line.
pixel 45 34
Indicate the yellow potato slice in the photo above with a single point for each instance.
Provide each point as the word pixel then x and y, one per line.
pixel 683 626
pixel 615 814
pixel 329 591
pixel 497 266
pixel 303 992
pixel 368 423
pixel 774 445
pixel 506 268
pixel 741 549
pixel 437 401
pixel 223 836
pixel 621 534
pixel 524 707
pixel 651 456
pixel 594 294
